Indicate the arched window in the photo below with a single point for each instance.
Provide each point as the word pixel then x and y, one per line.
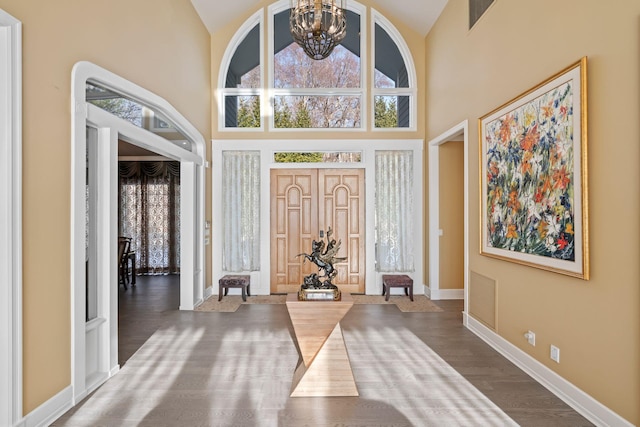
pixel 241 78
pixel 333 93
pixel 325 94
pixel 394 87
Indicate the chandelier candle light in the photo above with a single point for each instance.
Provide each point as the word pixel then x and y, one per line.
pixel 318 26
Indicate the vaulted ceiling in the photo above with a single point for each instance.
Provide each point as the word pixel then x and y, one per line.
pixel 420 15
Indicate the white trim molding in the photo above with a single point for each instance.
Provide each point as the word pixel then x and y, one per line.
pixel 459 132
pixel 436 294
pixel 50 410
pixel 10 219
pixel 584 404
pixel 97 347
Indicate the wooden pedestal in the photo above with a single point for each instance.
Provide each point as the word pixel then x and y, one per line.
pixel 325 369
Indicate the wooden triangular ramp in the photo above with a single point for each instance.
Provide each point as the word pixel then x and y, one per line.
pixel 330 372
pixel 314 321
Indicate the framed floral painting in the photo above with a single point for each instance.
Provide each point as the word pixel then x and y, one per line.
pixel 533 167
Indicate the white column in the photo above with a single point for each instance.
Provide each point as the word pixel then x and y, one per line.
pixel 10 219
pixel 188 238
pixel 107 224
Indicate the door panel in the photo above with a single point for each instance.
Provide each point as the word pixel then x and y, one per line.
pixel 293 226
pixel 342 195
pixel 305 201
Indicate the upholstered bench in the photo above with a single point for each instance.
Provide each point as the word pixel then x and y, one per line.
pixel 234 281
pixel 397 281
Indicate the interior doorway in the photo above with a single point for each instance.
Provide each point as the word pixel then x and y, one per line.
pixel 95 340
pixel 451 226
pixel 434 289
pixel 305 204
pixel 148 218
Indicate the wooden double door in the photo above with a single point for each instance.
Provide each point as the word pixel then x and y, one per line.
pixel 306 201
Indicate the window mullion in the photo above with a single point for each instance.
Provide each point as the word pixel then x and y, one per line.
pixel 242 91
pixel 317 91
pixel 401 91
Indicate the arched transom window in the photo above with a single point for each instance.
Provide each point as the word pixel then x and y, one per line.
pixel 296 92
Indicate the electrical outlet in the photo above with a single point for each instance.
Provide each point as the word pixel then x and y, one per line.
pixel 531 337
pixel 555 354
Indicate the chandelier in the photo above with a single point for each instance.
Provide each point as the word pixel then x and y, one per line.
pixel 318 26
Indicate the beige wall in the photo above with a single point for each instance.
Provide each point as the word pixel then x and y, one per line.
pixel 162 45
pixel 516 45
pixel 451 215
pixel 158 44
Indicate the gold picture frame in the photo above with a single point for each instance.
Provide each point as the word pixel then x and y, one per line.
pixel 533 176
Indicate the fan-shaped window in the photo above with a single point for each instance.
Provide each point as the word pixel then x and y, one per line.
pixel 393 79
pixel 243 80
pixel 318 94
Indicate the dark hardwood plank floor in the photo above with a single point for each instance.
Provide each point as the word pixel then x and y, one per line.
pixel 235 369
pixel 142 309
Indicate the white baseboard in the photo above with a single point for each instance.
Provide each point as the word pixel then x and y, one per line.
pixel 438 294
pixel 114 370
pixel 427 291
pixel 208 292
pixel 50 410
pixel 586 405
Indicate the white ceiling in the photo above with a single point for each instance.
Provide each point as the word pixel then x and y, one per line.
pixel 420 15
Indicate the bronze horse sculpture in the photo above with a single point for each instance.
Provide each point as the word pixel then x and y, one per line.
pixel 324 258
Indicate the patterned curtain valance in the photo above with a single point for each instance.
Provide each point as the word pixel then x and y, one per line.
pixel 154 169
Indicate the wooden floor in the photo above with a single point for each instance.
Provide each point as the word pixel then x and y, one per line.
pixel 235 369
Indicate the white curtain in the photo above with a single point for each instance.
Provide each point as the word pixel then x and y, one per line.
pixel 241 210
pixel 394 211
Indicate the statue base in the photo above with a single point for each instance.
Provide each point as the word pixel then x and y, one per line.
pixel 319 295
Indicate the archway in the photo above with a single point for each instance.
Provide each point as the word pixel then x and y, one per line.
pixel 94 341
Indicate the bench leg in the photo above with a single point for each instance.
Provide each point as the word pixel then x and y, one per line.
pixel 133 271
pixel 411 292
pixel 386 298
pixel 122 277
pixel 244 294
pixel 220 292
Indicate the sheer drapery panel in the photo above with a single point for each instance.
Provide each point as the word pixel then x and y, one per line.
pixel 150 214
pixel 394 211
pixel 241 211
